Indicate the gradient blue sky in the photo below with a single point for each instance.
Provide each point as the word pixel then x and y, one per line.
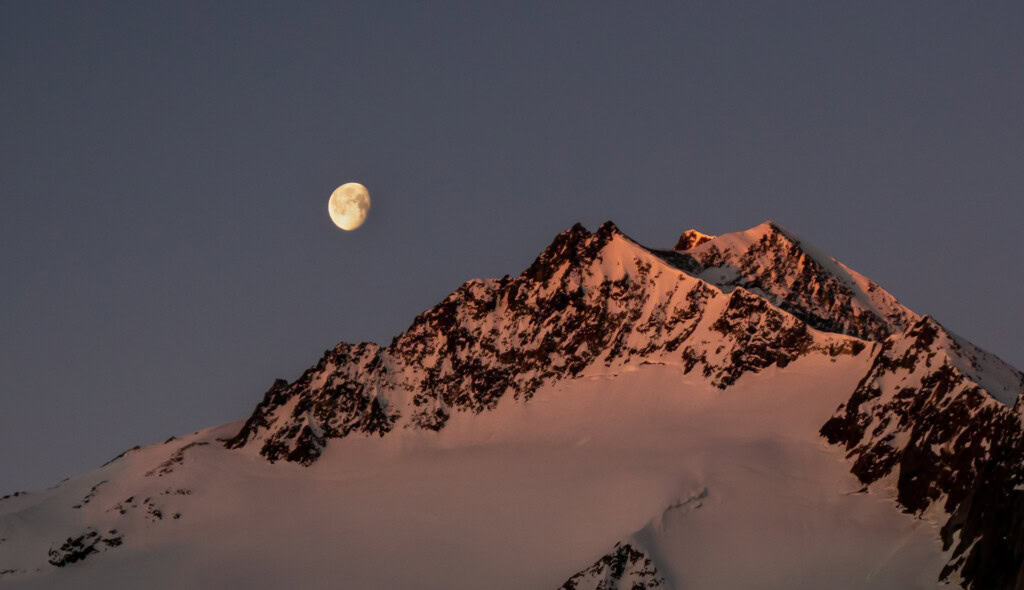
pixel 166 250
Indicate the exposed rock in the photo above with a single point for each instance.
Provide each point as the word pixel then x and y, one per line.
pixel 623 568
pixel 149 508
pixel 330 400
pixel 947 440
pixel 176 459
pixel 77 548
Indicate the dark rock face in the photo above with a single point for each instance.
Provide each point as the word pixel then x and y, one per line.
pixel 767 336
pixel 916 415
pixel 624 568
pixel 77 548
pixel 333 399
pixel 590 299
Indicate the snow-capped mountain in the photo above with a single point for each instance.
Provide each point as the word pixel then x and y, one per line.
pixel 740 411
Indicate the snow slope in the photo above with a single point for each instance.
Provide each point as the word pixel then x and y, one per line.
pixel 523 496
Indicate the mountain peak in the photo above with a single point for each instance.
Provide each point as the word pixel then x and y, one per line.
pixel 591 301
pixel 772 225
pixel 773 261
pixel 609 228
pixel 574 246
pixel 692 238
pixel 773 231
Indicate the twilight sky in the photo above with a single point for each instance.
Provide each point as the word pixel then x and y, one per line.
pixel 165 170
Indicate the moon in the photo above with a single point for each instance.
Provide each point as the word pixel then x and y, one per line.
pixel 349 205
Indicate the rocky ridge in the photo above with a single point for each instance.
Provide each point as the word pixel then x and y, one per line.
pixel 920 419
pixel 931 414
pixel 775 263
pixel 591 301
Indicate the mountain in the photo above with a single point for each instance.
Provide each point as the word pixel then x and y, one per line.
pixel 739 411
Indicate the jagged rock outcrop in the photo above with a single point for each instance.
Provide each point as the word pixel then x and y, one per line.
pixel 334 398
pixel 623 568
pixel 917 416
pixel 79 547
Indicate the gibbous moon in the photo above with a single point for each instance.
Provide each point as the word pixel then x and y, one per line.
pixel 349 205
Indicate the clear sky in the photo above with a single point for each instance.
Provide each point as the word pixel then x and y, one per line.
pixel 165 245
